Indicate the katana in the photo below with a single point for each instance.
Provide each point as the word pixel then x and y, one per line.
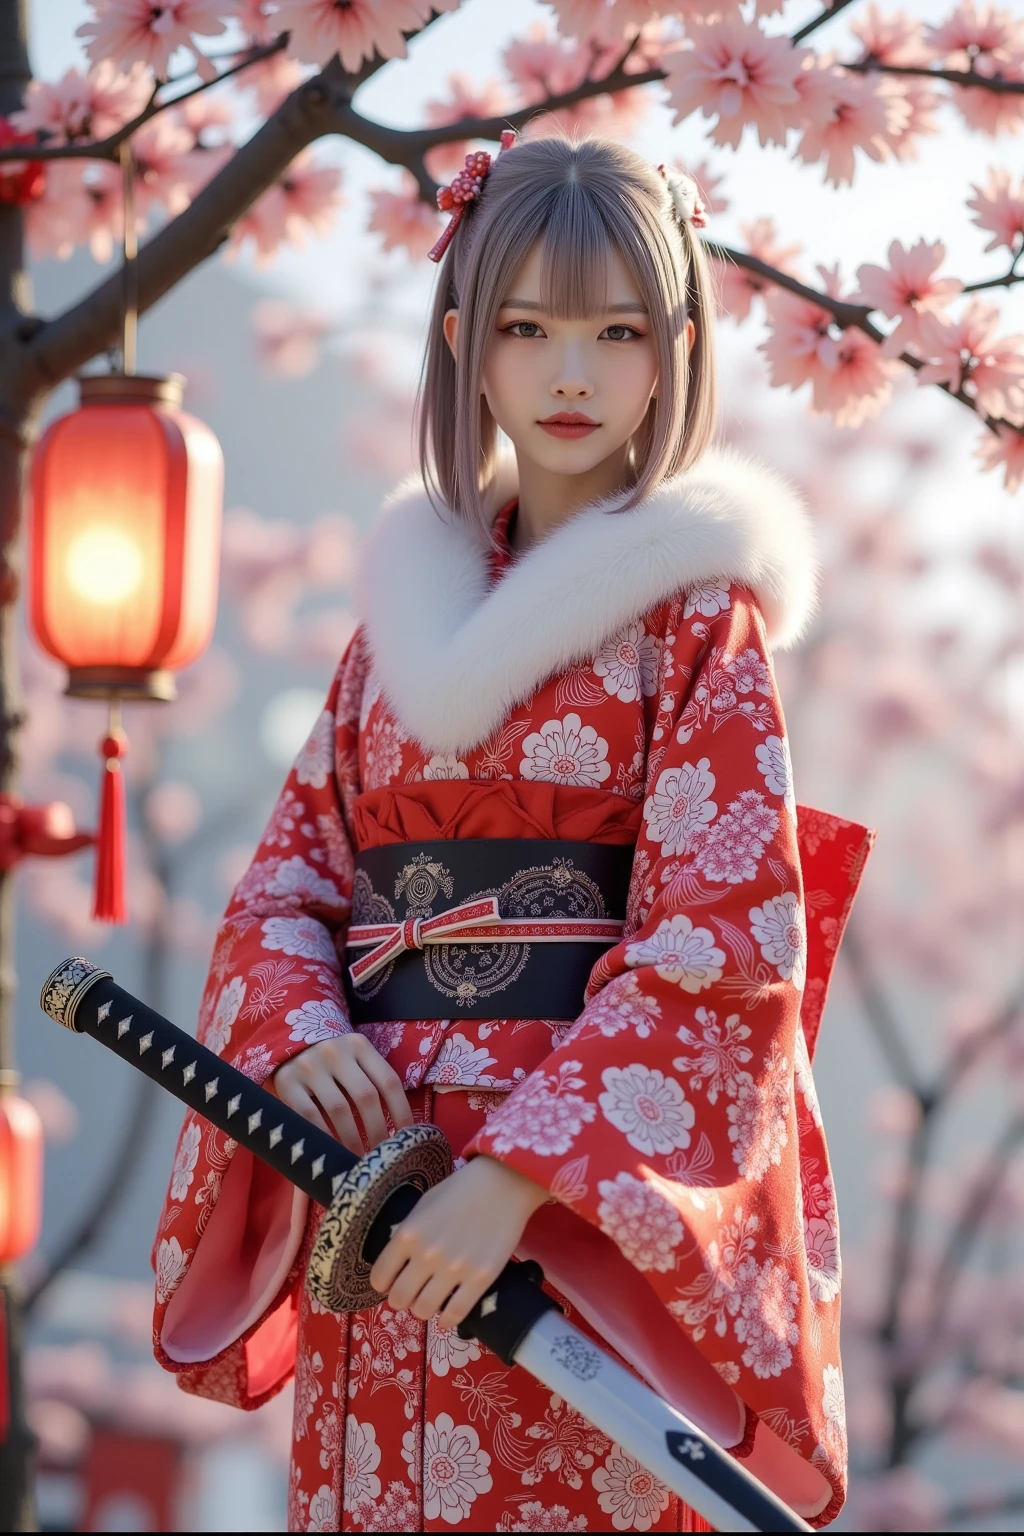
pixel 365 1198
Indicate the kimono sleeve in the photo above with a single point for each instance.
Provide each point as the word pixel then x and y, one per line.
pixel 675 1116
pixel 228 1247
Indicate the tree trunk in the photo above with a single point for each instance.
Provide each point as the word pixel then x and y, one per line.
pixel 17 1503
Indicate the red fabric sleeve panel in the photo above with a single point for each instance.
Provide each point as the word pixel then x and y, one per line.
pixel 833 853
pixel 228 1246
pixel 678 1114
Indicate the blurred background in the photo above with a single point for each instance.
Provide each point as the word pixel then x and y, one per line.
pixel 905 707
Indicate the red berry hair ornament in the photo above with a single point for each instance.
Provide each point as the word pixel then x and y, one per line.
pixel 465 189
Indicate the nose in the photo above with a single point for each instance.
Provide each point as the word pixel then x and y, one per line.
pixel 571 381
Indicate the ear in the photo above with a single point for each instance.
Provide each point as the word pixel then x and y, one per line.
pixel 451 331
pixel 691 331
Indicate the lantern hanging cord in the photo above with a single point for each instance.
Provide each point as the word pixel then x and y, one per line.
pixel 130 269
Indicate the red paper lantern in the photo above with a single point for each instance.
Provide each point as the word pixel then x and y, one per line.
pixel 126 505
pixel 21 1177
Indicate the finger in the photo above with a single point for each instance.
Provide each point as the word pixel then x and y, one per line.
pixel 389 1264
pixel 296 1097
pixel 365 1099
pixel 460 1304
pixel 388 1083
pixel 433 1295
pixel 335 1106
pixel 411 1280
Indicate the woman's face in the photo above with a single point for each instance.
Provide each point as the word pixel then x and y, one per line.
pixel 568 393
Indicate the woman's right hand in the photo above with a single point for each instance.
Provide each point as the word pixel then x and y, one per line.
pixel 333 1082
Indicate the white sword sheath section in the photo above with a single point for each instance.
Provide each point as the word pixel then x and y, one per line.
pixel 682 1456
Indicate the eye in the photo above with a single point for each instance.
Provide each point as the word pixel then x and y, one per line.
pixel 525 330
pixel 619 333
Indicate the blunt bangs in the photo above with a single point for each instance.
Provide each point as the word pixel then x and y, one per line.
pixel 578 202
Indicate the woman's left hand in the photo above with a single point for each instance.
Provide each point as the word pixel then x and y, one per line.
pixel 463 1232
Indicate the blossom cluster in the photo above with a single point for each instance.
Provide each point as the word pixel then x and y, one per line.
pixel 731 62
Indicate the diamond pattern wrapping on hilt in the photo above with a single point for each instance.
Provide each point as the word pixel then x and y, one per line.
pixel 338 1275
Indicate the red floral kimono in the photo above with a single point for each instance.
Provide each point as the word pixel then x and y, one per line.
pixel 612 686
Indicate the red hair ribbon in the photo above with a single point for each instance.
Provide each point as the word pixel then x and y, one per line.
pixel 465 188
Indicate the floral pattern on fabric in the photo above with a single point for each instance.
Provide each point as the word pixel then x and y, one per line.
pixel 676 1114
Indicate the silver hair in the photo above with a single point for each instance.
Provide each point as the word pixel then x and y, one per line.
pixel 577 200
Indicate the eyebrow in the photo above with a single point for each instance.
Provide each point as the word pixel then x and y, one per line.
pixel 630 307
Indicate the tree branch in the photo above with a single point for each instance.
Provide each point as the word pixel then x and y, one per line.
pixel 847 316
pixel 404 146
pixel 999 85
pixel 109 148
pixel 58 347
pixel 976 1208
pixel 1008 280
pixel 984 1507
pixel 880 1017
pixel 820 20
pixel 976 1045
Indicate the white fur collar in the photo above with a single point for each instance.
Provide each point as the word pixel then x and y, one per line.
pixel 455 658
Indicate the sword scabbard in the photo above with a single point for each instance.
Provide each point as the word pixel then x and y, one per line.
pixel 88 1001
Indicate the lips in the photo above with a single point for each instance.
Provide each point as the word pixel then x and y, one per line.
pixel 569 424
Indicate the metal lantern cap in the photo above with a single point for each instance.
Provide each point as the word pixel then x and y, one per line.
pixel 132 388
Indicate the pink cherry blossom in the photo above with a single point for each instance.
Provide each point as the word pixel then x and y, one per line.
pixel 861 112
pixel 255 20
pixel 84 107
pixel 849 377
pixel 894 38
pixel 163 171
pixel 272 81
pixel 1004 449
pixel 907 289
pixel 542 65
pixel 201 115
pixel 922 102
pixel 987 111
pixel 737 74
pixel 80 205
pixel 971 30
pixel 990 41
pixel 149 32
pixel 55 222
pixel 287 338
pixel 999 208
pixel 611 20
pixel 302 202
pixel 406 222
pixel 465 98
pixel 965 353
pixel 538 64
pixel 355 31
pixel 737 287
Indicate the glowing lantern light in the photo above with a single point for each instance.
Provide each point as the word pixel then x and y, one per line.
pixel 126 504
pixel 21 1177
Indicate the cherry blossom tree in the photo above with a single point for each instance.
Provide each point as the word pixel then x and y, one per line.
pixel 208 111
pixel 898 709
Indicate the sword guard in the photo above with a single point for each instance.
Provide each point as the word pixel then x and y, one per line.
pixel 379 1192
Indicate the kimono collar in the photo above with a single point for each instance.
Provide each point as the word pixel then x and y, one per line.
pixel 455 655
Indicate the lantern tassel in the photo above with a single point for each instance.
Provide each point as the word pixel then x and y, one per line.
pixel 109 905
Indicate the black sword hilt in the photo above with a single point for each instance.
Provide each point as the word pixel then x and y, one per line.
pixel 365 1197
